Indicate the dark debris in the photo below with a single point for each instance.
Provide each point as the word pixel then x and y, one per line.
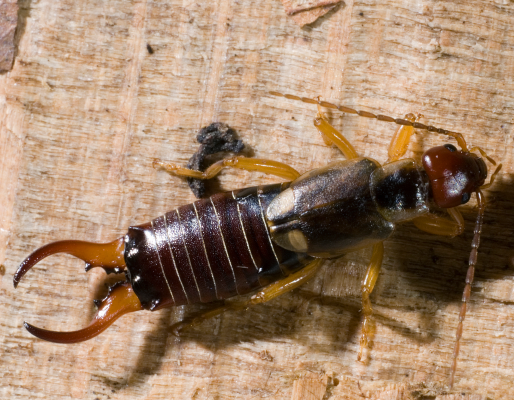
pixel 215 138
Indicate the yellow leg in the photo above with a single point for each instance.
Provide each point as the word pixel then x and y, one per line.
pixel 441 226
pixel 493 177
pixel 372 273
pixel 400 141
pixel 266 294
pixel 249 164
pixel 332 135
pixel 483 154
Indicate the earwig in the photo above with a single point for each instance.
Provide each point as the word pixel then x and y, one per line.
pixel 271 239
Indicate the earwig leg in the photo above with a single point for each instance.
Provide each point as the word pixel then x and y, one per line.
pixel 493 177
pixel 368 283
pixel 400 141
pixel 483 154
pixel 249 164
pixel 285 285
pixel 266 294
pixel 120 300
pixel 198 319
pixel 332 135
pixel 441 226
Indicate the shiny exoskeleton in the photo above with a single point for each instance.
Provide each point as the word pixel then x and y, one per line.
pixel 360 208
pixel 210 250
pixel 270 239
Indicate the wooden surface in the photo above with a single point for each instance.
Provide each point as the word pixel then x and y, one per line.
pixel 87 108
pixel 8 22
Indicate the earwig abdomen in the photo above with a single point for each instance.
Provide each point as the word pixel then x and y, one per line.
pixel 209 250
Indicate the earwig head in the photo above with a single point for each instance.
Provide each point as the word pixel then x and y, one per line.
pixel 454 174
pixel 120 300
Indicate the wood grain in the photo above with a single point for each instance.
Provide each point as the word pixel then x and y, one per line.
pixel 87 108
pixel 8 23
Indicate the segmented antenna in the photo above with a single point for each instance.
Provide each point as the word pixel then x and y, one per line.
pixel 456 135
pixel 469 281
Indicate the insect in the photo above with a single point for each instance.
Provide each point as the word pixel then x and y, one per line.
pixel 271 239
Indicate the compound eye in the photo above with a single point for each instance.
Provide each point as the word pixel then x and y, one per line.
pixel 465 198
pixel 451 147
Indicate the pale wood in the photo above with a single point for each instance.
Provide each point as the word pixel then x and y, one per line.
pixel 87 108
pixel 310 387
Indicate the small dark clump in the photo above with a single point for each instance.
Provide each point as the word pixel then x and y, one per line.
pixel 215 138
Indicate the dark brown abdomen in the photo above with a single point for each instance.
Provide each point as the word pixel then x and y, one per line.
pixel 210 250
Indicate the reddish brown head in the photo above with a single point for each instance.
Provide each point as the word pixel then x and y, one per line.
pixel 454 174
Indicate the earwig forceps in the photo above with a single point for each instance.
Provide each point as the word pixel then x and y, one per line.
pixel 120 299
